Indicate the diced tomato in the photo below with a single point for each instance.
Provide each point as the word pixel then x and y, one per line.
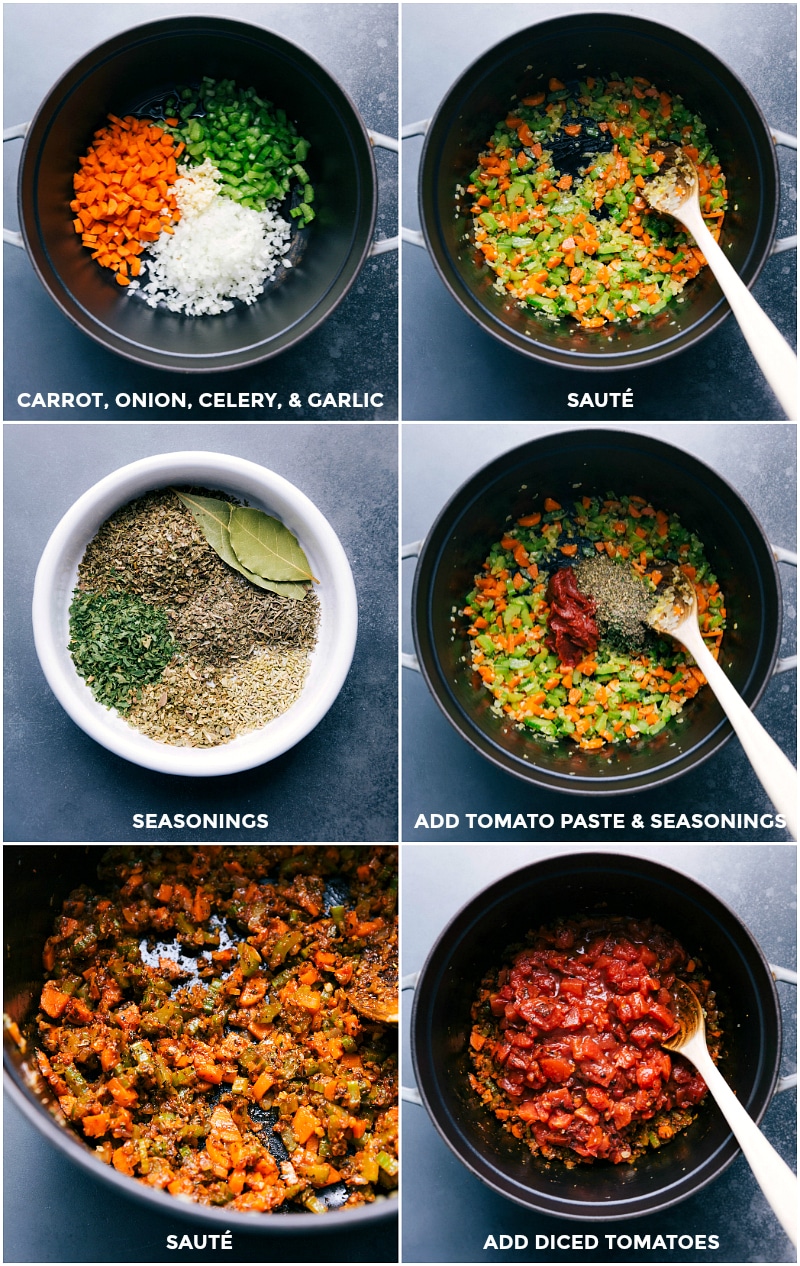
pixel 663 1016
pixel 559 1121
pixel 580 1016
pixel 528 1111
pixel 598 1098
pixel 646 1077
pixel 575 988
pixel 586 1047
pixel 558 1070
pixel 622 1114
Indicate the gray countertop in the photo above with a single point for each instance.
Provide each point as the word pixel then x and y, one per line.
pixel 452 1211
pixel 339 783
pixel 354 351
pixel 453 369
pixel 443 774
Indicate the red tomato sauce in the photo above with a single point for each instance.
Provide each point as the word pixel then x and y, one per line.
pixel 566 1044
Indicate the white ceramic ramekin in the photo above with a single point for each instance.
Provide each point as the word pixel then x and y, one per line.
pixel 56 578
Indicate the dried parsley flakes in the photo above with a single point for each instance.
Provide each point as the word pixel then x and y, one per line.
pixel 118 644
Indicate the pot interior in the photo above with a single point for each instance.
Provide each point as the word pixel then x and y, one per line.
pixel 126 75
pixel 475 942
pixel 37 879
pixel 602 45
pixel 565 467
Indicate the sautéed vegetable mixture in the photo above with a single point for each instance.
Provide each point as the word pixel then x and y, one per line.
pixel 557 621
pixel 583 244
pixel 212 1022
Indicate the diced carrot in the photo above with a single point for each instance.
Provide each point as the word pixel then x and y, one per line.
pixel 130 165
pixel 123 1095
pixel 95 1126
pixel 207 1070
pixel 122 1162
pixel 54 1002
pixel 304 1123
pixel 236 1182
pixel 262 1085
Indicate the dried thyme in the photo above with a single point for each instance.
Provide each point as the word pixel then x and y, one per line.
pixel 118 644
pixel 229 619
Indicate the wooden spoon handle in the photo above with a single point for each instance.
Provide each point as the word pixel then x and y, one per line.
pixel 775 771
pixel 771 1172
pixel 770 349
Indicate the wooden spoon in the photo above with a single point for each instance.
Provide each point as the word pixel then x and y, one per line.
pixel 675 613
pixel 771 1172
pixel 675 191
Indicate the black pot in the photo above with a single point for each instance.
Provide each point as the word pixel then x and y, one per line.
pixel 564 466
pixel 37 879
pixel 475 941
pixel 124 75
pixel 602 45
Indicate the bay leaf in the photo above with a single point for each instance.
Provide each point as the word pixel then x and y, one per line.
pixel 212 517
pixel 266 547
pixel 287 588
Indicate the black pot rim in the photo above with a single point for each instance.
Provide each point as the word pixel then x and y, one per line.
pixel 529 346
pixel 530 772
pixel 85 321
pixel 469 913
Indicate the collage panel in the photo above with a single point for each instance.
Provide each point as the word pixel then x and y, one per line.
pixel 201 1053
pixel 400 743
pixel 271 295
pixel 511 734
pixel 257 713
pixel 547 287
pixel 517 1096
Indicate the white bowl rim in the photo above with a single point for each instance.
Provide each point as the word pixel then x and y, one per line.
pixel 284 500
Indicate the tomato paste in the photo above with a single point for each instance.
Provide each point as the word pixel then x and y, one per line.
pixel 567 1041
pixel 572 628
